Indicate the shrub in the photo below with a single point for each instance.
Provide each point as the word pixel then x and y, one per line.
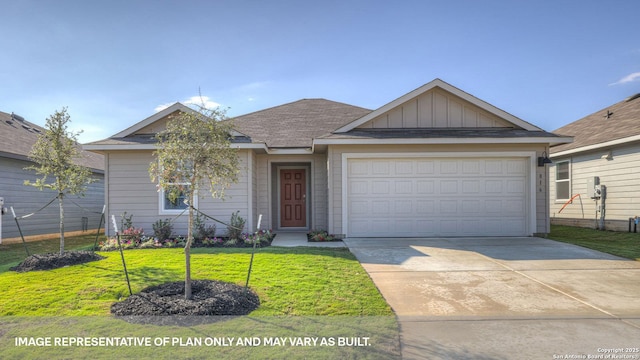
pixel 201 230
pixel 261 238
pixel 213 241
pixel 132 234
pixel 235 227
pixel 320 235
pixel 162 229
pixel 126 222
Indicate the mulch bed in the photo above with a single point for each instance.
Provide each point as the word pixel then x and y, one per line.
pixel 210 297
pixel 55 260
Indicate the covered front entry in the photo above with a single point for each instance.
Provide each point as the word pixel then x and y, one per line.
pixel 293 198
pixel 428 196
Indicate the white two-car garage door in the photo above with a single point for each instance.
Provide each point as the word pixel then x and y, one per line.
pixel 416 197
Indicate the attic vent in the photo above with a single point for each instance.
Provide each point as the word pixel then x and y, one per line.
pixel 27 127
pixel 10 122
pixel 17 117
pixel 633 97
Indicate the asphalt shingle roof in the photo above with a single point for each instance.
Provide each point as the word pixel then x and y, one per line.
pixel 17 137
pixel 296 124
pixel 615 122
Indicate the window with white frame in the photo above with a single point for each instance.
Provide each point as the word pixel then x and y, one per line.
pixel 175 203
pixel 563 180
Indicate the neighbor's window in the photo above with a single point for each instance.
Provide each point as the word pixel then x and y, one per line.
pixel 171 205
pixel 563 181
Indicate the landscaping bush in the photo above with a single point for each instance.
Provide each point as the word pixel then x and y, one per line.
pixel 162 229
pixel 235 227
pixel 320 236
pixel 201 230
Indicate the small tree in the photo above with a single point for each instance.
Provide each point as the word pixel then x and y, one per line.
pixel 195 152
pixel 54 154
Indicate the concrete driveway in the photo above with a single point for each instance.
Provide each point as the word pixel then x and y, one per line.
pixel 506 298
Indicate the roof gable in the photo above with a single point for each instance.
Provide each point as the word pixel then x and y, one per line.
pixel 154 123
pixel 437 105
pixel 616 124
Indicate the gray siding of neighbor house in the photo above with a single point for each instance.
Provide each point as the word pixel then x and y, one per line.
pixel 130 190
pixel 267 191
pixel 620 175
pixel 335 173
pixel 26 199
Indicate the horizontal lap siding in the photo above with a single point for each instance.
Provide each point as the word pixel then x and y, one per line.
pixel 621 176
pixel 26 199
pixel 131 190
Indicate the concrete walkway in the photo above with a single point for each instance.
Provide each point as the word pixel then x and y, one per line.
pixel 505 298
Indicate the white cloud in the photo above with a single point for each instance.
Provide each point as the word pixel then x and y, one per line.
pixel 162 107
pixel 201 101
pixel 194 100
pixel 627 79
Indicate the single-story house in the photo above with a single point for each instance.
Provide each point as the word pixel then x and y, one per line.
pixel 436 161
pixel 17 137
pixel 606 147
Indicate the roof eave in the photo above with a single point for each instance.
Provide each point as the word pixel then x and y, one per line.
pixel 153 118
pixel 99 148
pixel 451 140
pixel 606 144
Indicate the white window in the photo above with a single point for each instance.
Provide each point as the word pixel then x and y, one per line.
pixel 176 205
pixel 563 180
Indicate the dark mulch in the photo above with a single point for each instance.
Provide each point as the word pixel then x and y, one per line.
pixel 55 260
pixel 210 297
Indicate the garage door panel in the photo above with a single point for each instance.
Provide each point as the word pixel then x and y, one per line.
pixel 437 197
pixel 425 187
pixel 425 206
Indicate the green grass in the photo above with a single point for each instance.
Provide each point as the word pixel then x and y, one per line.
pixel 621 244
pixel 13 254
pixel 315 292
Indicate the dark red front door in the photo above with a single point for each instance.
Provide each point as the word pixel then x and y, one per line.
pixel 293 196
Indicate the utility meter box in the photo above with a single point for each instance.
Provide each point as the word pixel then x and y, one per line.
pixel 593 187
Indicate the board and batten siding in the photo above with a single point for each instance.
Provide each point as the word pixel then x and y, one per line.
pixel 267 201
pixel 130 190
pixel 620 174
pixel 335 152
pixel 436 109
pixel 27 199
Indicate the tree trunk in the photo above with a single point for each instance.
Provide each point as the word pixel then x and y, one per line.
pixel 60 202
pixel 187 252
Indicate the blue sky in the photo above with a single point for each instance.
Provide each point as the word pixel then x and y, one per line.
pixel 114 63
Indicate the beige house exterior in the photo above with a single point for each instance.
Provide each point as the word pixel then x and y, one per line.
pixel 606 146
pixel 434 162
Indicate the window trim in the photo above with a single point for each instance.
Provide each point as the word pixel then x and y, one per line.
pixel 567 180
pixel 161 201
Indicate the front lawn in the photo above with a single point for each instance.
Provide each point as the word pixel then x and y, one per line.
pixel 320 293
pixel 13 254
pixel 621 244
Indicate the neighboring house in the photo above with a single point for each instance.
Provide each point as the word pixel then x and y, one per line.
pixel 607 146
pixel 434 162
pixel 17 136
